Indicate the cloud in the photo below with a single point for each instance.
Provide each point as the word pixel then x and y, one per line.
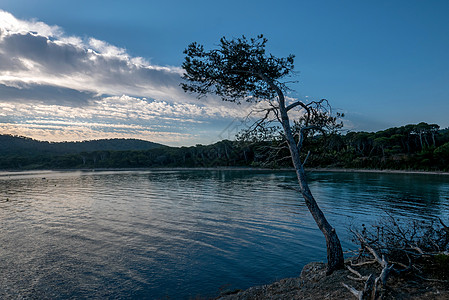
pixel 89 131
pixel 59 87
pixel 118 116
pixel 120 109
pixel 34 55
pixel 19 90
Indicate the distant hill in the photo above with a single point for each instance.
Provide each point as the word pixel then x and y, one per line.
pixel 411 147
pixel 19 145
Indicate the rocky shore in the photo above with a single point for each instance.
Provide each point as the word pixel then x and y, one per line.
pixel 314 284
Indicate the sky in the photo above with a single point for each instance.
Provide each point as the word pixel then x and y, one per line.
pixel 82 70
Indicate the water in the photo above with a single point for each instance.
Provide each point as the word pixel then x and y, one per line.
pixel 183 234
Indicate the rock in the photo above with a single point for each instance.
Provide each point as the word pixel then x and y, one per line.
pixel 314 284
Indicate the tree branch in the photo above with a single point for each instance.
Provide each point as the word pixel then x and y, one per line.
pixel 301 134
pixel 298 103
pixel 305 160
pixel 353 291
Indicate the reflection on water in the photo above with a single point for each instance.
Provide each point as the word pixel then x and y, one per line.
pixel 179 234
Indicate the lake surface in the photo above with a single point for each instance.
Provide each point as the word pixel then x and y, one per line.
pixel 187 233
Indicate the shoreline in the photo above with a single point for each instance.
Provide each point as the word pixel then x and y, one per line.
pixel 334 170
pixel 313 283
pixel 385 171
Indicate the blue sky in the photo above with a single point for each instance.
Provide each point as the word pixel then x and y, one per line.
pixel 76 70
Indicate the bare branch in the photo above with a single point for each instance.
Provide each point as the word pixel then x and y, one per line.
pixel 370 262
pixel 368 288
pixel 359 276
pixel 302 136
pixel 298 103
pixel 305 160
pixel 417 249
pixel 432 279
pixel 414 249
pixel 353 291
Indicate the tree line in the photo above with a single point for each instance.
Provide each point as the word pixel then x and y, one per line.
pixel 412 147
pixel 416 147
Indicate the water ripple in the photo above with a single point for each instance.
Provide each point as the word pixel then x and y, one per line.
pixel 179 234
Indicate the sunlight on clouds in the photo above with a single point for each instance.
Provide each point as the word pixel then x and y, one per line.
pixel 40 54
pixel 123 108
pixel 88 131
pixel 10 23
pixel 123 116
pixel 106 49
pixel 57 87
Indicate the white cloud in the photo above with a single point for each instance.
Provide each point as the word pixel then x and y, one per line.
pixel 131 117
pixel 123 108
pixel 88 131
pixel 59 87
pixel 34 54
pixel 10 23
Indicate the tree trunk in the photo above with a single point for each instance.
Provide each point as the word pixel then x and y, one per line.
pixel 420 140
pixel 335 258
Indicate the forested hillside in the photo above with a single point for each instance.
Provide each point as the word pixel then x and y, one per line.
pixel 412 147
pixel 22 145
pixel 416 146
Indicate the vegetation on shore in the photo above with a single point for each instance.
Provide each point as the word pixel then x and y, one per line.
pixel 412 147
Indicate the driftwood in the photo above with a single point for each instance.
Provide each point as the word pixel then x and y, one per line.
pixel 367 291
pixel 408 248
pixel 374 286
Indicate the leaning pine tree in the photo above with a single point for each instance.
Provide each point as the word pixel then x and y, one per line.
pixel 240 70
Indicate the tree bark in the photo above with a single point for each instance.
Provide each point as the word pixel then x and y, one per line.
pixel 335 258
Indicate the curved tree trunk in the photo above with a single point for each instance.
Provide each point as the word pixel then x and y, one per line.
pixel 335 258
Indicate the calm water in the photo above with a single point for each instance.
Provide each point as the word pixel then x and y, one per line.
pixel 182 234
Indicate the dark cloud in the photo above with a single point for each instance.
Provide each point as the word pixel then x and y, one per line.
pixel 44 93
pixel 11 64
pixel 52 57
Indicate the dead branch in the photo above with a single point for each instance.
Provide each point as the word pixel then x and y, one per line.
pixel 302 134
pixel 381 280
pixel 353 291
pixel 411 249
pixel 432 279
pixel 417 249
pixel 307 157
pixel 298 103
pixel 364 243
pixel 363 263
pixel 359 276
pixel 367 292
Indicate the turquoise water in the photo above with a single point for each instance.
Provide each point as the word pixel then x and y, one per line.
pixel 182 234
